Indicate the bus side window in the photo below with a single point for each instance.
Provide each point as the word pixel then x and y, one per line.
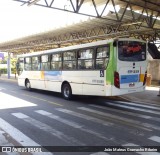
pixel 56 62
pixel 85 59
pixel 45 63
pixel 69 60
pixel 27 63
pixel 102 57
pixel 34 63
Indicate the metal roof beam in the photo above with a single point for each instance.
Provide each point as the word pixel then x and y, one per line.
pixel 87 35
pixel 117 23
pixel 150 16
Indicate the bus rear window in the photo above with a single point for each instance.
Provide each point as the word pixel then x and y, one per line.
pixel 131 51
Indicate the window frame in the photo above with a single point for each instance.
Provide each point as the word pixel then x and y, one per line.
pixel 28 64
pixel 93 58
pixel 59 61
pixel 71 60
pixel 46 62
pixel 130 57
pixel 34 63
pixel 102 46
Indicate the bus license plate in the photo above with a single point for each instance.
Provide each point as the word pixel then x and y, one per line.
pixel 131 85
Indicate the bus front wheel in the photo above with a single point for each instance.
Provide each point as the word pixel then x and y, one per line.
pixel 66 91
pixel 28 85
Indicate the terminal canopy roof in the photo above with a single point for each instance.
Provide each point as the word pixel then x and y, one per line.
pixel 106 19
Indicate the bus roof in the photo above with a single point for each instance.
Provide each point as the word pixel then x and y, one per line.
pixel 102 42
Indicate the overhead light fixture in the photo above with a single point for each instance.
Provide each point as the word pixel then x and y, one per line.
pixel 32 2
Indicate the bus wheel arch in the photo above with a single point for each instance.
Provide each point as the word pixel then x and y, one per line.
pixel 27 84
pixel 66 90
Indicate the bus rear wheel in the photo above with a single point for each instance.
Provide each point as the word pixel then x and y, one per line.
pixel 66 91
pixel 28 85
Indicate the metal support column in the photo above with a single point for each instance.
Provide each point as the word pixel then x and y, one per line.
pixel 8 65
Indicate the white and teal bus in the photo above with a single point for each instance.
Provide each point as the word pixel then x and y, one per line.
pixel 103 68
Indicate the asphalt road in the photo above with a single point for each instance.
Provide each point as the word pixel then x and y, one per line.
pixel 86 125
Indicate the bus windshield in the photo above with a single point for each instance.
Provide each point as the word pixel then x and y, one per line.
pixel 131 51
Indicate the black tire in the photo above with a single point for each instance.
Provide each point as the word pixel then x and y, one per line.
pixel 66 91
pixel 28 85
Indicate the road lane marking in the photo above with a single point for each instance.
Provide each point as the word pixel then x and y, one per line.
pixel 1 88
pixel 18 136
pixel 86 117
pixel 140 105
pixel 77 126
pixel 13 91
pixel 43 100
pixel 155 127
pixel 109 115
pixel 127 112
pixel 155 138
pixel 100 121
pixel 50 115
pixel 133 108
pixel 48 129
pixel 120 119
pixel 121 111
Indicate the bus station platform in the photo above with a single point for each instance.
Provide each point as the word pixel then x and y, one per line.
pixel 151 94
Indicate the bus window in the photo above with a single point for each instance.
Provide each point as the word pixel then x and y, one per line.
pixel 131 51
pixel 45 64
pixel 102 56
pixel 27 63
pixel 85 59
pixel 34 63
pixel 69 60
pixel 56 63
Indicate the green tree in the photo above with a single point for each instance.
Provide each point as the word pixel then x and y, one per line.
pixel 13 64
pixel 4 61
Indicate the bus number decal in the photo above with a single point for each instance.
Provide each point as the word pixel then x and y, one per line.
pixel 98 81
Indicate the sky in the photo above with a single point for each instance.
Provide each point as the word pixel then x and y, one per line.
pixel 18 21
